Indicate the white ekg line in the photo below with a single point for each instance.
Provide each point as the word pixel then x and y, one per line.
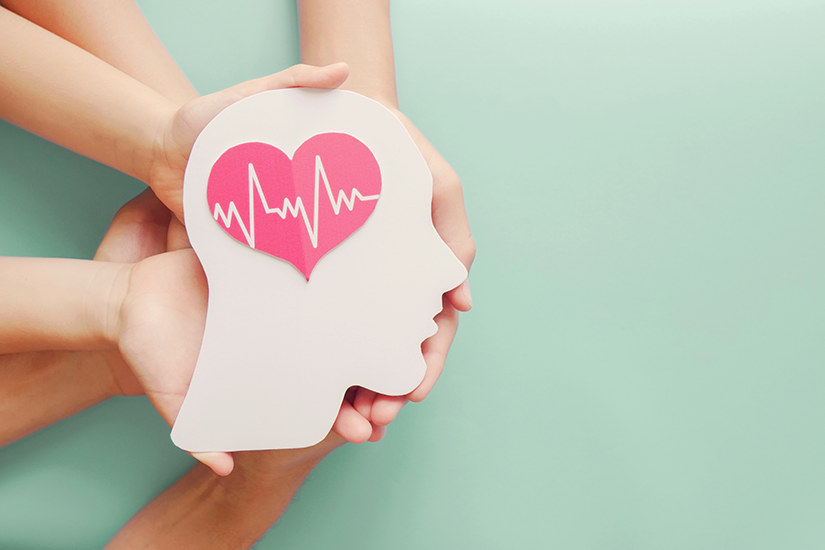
pixel 311 227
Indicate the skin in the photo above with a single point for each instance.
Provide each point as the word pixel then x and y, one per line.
pixel 63 329
pixel 174 135
pixel 114 32
pixel 204 511
pixel 201 509
pixel 356 32
pixel 64 93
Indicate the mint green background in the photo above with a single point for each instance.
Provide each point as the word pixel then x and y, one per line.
pixel 645 364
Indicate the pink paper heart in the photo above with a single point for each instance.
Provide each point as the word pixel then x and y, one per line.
pixel 299 209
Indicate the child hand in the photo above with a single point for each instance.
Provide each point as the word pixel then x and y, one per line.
pixel 141 229
pixel 177 136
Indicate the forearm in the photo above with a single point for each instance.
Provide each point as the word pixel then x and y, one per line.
pixel 66 95
pixel 355 31
pixel 54 303
pixel 40 388
pixel 203 510
pixel 117 33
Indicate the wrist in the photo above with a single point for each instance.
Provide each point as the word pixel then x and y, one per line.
pixel 56 303
pixel 112 295
pixel 158 135
pixel 380 92
pixel 171 142
pixel 355 31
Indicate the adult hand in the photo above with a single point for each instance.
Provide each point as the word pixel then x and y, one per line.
pixel 450 220
pixel 202 510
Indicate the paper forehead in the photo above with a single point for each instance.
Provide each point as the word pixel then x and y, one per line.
pixel 286 119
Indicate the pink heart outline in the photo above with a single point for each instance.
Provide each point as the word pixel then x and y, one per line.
pixel 295 209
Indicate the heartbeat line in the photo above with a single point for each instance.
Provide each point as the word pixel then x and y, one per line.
pixel 288 208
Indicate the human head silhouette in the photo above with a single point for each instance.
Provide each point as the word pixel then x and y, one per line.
pixel 280 349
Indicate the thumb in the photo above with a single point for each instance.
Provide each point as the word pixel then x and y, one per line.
pixel 182 129
pixel 220 463
pixel 306 76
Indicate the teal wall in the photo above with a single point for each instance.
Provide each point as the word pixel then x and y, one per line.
pixel 645 364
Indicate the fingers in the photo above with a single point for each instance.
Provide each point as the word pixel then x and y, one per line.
pixel 450 220
pixel 351 425
pixel 137 231
pixel 309 76
pixel 460 296
pixel 435 350
pixel 220 463
pixel 385 408
pixel 176 237
pixel 363 402
pixel 177 137
pixel 306 76
pixel 448 211
pixel 376 410
pixel 378 433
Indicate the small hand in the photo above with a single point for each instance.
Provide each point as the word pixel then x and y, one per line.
pixel 159 333
pixel 142 228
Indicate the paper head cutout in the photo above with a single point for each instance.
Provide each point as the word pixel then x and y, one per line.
pixel 321 196
pixel 290 326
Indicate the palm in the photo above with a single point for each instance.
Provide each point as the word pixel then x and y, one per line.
pixel 162 322
pixel 139 230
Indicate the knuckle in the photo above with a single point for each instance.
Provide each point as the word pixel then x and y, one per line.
pixel 471 249
pixel 449 179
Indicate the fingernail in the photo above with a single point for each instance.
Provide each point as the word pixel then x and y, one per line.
pixel 216 462
pixel 466 291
